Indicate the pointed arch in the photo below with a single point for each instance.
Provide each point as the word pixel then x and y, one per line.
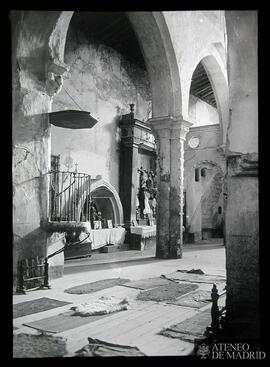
pixel 114 199
pixel 155 41
pixel 213 61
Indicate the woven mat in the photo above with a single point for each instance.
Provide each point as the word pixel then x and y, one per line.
pixel 168 292
pixel 96 286
pixel 100 348
pixel 196 299
pixel 63 322
pixel 145 284
pixel 37 305
pixel 189 329
pixel 38 346
pixel 184 276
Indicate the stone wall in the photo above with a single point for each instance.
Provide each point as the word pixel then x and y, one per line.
pixel 103 82
pixel 212 199
pixel 201 201
pixel 31 102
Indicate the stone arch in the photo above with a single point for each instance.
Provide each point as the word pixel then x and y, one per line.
pixel 213 60
pixel 154 38
pixel 157 49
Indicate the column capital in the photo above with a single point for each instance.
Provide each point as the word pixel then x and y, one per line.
pixel 170 127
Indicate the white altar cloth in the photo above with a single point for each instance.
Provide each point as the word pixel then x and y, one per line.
pixel 144 231
pixel 103 237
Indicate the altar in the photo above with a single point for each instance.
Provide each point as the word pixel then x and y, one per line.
pixel 142 237
pixel 107 236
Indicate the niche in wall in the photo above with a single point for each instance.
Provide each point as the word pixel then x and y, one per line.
pixel 107 201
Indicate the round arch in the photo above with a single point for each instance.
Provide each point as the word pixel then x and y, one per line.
pixel 212 59
pixel 160 59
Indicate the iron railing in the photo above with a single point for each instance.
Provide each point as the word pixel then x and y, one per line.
pixel 69 196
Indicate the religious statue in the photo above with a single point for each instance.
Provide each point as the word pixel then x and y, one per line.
pixel 146 194
pixel 93 213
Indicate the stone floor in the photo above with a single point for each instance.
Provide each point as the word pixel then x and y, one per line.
pixel 139 325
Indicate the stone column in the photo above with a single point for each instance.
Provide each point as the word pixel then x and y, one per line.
pixel 170 133
pixel 242 236
pixel 241 184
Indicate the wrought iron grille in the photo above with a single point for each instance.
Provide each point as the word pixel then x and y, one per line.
pixel 69 196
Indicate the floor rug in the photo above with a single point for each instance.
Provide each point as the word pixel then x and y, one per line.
pixel 191 328
pixel 145 284
pixel 99 348
pixel 168 292
pixel 184 276
pixel 37 305
pixel 38 346
pixel 63 322
pixel 196 299
pixel 96 286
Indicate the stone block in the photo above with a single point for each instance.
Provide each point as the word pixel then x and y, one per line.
pixel 109 249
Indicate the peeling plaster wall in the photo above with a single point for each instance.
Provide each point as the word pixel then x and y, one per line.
pixel 103 82
pixel 205 155
pixel 31 133
pixel 212 199
pixel 36 65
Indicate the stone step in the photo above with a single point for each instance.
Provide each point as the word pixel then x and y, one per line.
pixel 109 248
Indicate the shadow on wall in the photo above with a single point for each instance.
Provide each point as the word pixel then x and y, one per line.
pixel 33 128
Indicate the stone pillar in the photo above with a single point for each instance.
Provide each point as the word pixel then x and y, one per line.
pixel 36 78
pixel 242 233
pixel 241 184
pixel 170 133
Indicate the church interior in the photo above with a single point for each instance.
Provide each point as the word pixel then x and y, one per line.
pixel 134 130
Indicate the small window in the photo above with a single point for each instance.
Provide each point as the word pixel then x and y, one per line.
pixel 197 174
pixel 203 172
pixel 219 210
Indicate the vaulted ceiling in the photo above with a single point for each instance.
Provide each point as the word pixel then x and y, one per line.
pixel 113 29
